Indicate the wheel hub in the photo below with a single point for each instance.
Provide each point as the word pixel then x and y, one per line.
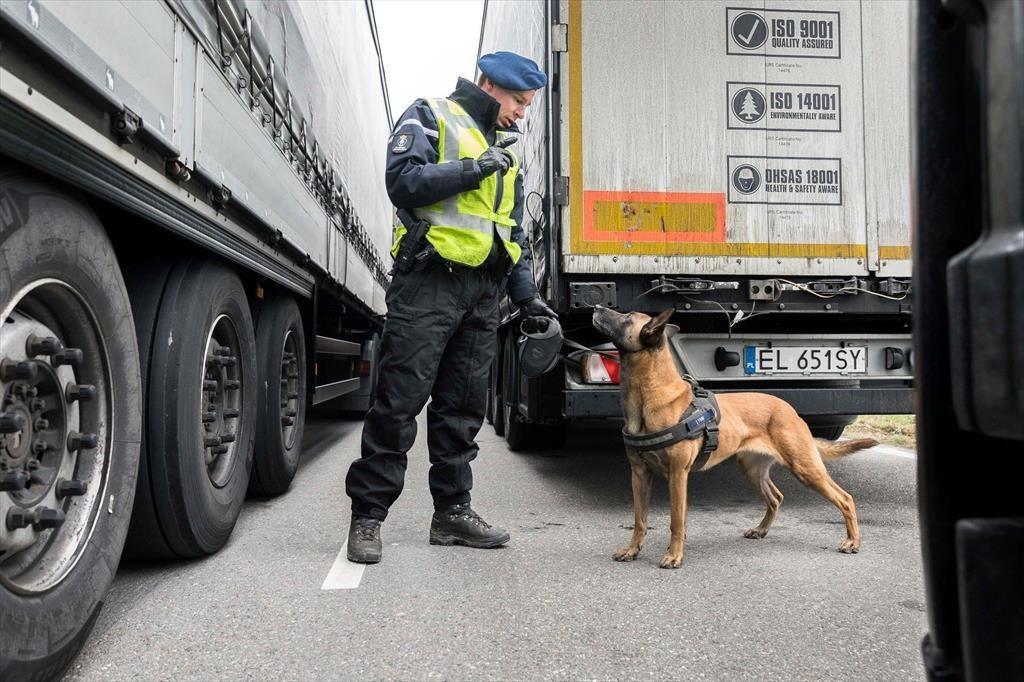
pixel 289 390
pixel 221 400
pixel 36 447
pixel 53 461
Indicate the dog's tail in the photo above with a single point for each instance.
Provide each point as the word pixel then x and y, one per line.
pixel 835 449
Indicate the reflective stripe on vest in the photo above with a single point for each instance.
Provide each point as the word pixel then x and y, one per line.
pixel 462 226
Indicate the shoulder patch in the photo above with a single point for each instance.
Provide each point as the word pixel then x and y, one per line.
pixel 403 141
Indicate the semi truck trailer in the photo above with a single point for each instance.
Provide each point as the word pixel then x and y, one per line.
pixel 744 163
pixel 194 244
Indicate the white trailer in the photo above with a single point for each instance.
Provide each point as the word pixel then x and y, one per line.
pixel 194 240
pixel 744 162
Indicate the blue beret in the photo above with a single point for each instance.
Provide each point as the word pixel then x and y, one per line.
pixel 512 71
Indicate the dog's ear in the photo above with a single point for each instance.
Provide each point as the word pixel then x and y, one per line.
pixel 651 333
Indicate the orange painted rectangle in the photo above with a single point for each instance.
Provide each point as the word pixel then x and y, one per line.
pixel 653 216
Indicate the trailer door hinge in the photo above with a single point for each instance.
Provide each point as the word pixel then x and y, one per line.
pixel 561 190
pixel 559 38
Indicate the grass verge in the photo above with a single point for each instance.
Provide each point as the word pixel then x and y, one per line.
pixel 891 429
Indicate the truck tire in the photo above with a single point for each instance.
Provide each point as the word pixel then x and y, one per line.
pixel 281 398
pixel 60 282
pixel 521 435
pixel 828 432
pixel 201 386
pixel 495 400
pixel 829 427
pixel 489 404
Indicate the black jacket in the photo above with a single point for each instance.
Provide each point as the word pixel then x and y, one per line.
pixel 415 178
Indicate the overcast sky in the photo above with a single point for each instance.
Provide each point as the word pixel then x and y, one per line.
pixel 427 45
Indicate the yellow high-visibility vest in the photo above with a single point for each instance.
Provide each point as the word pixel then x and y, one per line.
pixel 462 226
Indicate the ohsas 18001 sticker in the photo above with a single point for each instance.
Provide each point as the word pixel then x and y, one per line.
pixel 785 180
pixel 783 33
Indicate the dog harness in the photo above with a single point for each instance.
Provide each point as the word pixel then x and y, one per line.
pixel 700 420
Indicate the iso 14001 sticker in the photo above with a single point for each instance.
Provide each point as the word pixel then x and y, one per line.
pixel 784 106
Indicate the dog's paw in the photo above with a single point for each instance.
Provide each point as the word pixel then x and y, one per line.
pixel 628 554
pixel 671 561
pixel 755 533
pixel 849 547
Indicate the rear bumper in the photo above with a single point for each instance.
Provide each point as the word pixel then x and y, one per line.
pixel 596 403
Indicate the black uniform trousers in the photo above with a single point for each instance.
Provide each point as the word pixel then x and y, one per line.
pixel 438 342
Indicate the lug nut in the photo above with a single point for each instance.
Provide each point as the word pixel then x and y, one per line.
pixel 288 421
pixel 39 447
pixel 291 413
pixel 37 405
pixel 39 345
pixel 40 424
pixel 209 385
pixel 25 370
pixel 19 518
pixel 232 385
pixel 82 392
pixel 211 441
pixel 82 441
pixel 222 351
pixel 230 414
pixel 227 361
pixel 11 422
pixel 227 438
pixel 70 487
pixel 48 518
pixel 11 481
pixel 68 356
pixel 25 391
pixel 209 417
pixel 219 449
pixel 40 519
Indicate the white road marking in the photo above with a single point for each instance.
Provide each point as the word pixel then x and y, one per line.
pixel 895 452
pixel 344 574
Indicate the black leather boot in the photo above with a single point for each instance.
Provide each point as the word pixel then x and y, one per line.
pixel 460 525
pixel 364 540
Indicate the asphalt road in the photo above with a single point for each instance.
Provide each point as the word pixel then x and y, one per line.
pixel 552 605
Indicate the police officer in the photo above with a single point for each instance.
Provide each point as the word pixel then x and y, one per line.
pixel 452 163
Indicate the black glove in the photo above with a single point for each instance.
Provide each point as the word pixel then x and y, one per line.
pixel 495 158
pixel 536 307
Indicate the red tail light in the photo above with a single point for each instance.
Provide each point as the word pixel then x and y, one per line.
pixel 600 369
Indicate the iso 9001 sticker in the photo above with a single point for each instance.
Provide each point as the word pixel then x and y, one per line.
pixel 783 33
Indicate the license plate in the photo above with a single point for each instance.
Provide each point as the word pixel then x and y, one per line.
pixel 805 360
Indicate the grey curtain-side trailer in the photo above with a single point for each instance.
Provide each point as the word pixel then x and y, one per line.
pixel 194 242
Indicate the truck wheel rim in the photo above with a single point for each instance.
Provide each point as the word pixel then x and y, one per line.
pixel 56 421
pixel 220 403
pixel 289 390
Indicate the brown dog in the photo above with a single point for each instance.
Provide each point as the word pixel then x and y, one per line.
pixel 759 429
